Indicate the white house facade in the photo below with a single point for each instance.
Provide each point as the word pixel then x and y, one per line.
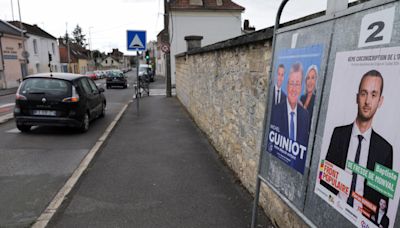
pixel 109 63
pixel 39 45
pixel 212 20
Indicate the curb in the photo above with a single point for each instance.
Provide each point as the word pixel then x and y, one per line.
pixel 6 118
pixel 55 204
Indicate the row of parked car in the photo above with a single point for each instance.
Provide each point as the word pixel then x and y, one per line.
pixel 99 74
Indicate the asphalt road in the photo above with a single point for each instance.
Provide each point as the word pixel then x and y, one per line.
pixel 34 166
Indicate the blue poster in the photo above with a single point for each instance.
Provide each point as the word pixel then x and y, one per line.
pixel 296 72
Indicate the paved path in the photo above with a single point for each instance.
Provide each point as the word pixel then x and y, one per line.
pixel 157 170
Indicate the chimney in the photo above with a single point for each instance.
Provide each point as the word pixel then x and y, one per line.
pixel 247 28
pixel 193 42
pixel 219 2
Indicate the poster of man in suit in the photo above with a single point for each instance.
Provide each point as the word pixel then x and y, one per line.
pixel 290 120
pixel 359 163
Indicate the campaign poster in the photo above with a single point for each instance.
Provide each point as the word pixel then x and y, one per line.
pixel 360 153
pixel 295 75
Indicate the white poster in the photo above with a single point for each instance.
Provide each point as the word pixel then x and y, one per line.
pixel 360 154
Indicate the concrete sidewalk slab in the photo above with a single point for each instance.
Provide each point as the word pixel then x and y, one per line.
pixel 157 170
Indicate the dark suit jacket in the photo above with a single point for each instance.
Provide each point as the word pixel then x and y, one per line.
pixel 380 151
pixel 384 221
pixel 280 119
pixel 283 96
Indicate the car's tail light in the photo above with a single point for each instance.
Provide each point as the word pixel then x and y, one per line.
pixel 74 97
pixel 20 97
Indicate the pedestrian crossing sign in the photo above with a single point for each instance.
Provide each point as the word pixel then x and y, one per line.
pixel 136 40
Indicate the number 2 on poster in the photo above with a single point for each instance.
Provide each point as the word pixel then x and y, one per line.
pixel 376 28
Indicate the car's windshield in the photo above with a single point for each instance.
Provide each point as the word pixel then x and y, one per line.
pixel 45 86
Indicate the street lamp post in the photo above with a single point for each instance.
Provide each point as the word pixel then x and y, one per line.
pixel 90 49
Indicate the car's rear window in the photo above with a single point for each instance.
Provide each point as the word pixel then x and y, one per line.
pixel 116 74
pixel 46 85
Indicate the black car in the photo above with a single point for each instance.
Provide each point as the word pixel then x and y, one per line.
pixel 116 78
pixel 58 99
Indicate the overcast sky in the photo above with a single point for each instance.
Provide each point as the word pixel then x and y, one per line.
pixel 104 22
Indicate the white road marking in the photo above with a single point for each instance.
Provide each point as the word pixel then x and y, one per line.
pixel 14 130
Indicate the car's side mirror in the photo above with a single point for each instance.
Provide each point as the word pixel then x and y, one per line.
pixel 101 90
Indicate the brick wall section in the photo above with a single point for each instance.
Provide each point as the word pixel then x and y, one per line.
pixel 225 87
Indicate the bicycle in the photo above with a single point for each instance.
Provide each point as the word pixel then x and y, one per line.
pixel 142 86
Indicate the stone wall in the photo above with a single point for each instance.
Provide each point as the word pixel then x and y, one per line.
pixel 225 88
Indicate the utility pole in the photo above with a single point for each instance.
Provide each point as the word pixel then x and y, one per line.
pixel 168 54
pixel 12 10
pixel 68 51
pixel 90 49
pixel 25 54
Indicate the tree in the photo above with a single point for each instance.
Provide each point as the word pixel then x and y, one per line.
pixel 67 37
pixel 79 38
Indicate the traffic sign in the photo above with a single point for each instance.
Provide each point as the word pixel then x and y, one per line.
pixel 136 40
pixel 165 48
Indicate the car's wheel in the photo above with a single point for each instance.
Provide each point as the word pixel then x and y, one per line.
pixel 24 128
pixel 103 110
pixel 85 123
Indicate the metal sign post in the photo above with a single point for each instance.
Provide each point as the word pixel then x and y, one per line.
pixel 136 41
pixel 137 82
pixel 258 181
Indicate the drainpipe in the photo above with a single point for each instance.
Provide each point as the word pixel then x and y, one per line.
pixel 2 68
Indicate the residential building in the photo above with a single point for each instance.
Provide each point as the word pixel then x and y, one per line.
pixel 40 45
pixel 162 40
pixel 111 62
pixel 12 64
pixel 214 20
pixel 76 61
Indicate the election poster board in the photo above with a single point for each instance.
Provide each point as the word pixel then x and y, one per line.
pixel 360 152
pixel 296 72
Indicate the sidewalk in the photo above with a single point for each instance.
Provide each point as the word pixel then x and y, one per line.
pixel 8 91
pixel 157 170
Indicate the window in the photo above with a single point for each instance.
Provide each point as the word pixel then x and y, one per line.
pixel 19 45
pixel 93 86
pixel 196 2
pixel 53 48
pixel 86 86
pixel 106 61
pixel 112 61
pixel 35 47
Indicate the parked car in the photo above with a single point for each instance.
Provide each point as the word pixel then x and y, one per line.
pixel 58 99
pixel 91 75
pixel 146 70
pixel 116 78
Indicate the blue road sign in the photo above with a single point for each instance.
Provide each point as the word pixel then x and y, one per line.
pixel 136 40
